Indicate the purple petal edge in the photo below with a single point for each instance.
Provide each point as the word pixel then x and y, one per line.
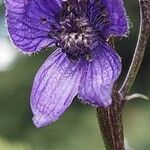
pixel 99 76
pixel 26 28
pixel 119 25
pixel 54 87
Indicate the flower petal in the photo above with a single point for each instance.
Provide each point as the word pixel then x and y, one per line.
pixel 30 22
pixel 99 76
pixel 118 19
pixel 54 88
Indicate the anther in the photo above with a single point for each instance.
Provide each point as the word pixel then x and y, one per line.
pixel 43 20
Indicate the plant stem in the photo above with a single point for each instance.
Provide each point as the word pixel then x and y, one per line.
pixel 111 126
pixel 110 119
pixel 144 34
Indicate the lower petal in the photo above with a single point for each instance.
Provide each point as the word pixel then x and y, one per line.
pixel 55 86
pixel 99 76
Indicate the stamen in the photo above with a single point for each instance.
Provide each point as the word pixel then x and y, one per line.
pixel 78 30
pixel 43 20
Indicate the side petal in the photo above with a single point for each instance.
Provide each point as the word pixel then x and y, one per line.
pixel 99 76
pixel 54 87
pixel 30 23
pixel 118 25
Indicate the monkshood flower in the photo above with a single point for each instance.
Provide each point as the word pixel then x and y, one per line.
pixel 84 64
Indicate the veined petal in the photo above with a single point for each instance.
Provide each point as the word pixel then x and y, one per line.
pixel 54 88
pixel 118 25
pixel 108 17
pixel 30 22
pixel 59 2
pixel 99 76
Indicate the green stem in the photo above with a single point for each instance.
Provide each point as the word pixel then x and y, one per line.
pixel 144 34
pixel 111 126
pixel 110 119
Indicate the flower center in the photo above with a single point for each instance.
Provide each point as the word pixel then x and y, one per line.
pixel 80 22
pixel 76 41
pixel 76 35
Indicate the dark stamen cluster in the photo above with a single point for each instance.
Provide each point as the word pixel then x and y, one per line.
pixel 77 33
pixel 77 43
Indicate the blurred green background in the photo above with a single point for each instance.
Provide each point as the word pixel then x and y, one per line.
pixel 78 128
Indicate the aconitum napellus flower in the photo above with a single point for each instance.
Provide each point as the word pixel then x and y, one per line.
pixel 83 64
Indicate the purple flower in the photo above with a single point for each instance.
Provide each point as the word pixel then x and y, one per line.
pixel 83 63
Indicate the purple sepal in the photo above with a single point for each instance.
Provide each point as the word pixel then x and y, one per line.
pixel 119 25
pixel 99 76
pixel 31 22
pixel 54 87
